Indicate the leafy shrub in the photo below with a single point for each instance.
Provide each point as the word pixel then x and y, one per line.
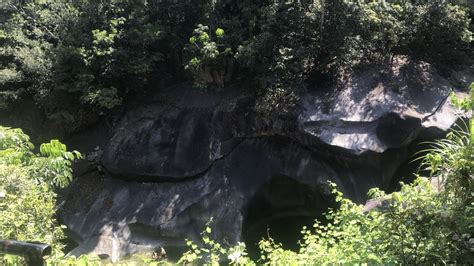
pixel 208 55
pixel 27 208
pixel 212 252
pixel 27 183
pixel 280 100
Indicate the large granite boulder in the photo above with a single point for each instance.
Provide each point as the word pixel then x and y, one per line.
pixel 168 166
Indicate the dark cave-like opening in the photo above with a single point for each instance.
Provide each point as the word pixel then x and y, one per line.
pixel 280 209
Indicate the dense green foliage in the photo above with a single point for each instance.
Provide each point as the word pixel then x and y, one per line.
pixel 27 188
pixel 71 56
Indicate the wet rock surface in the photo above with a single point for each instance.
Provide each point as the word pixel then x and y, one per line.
pixel 167 168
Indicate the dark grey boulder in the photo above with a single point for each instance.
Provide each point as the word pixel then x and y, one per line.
pixel 169 167
pixel 172 144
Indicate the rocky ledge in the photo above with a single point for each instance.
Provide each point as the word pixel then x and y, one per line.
pixel 167 166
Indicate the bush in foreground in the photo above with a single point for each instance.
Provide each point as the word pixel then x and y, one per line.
pixel 27 188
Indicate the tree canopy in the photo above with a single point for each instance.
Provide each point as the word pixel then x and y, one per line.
pixel 74 56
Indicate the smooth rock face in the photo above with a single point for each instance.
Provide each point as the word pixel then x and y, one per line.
pixel 170 167
pixel 175 144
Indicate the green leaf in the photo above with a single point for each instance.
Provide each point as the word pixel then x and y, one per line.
pixel 219 32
